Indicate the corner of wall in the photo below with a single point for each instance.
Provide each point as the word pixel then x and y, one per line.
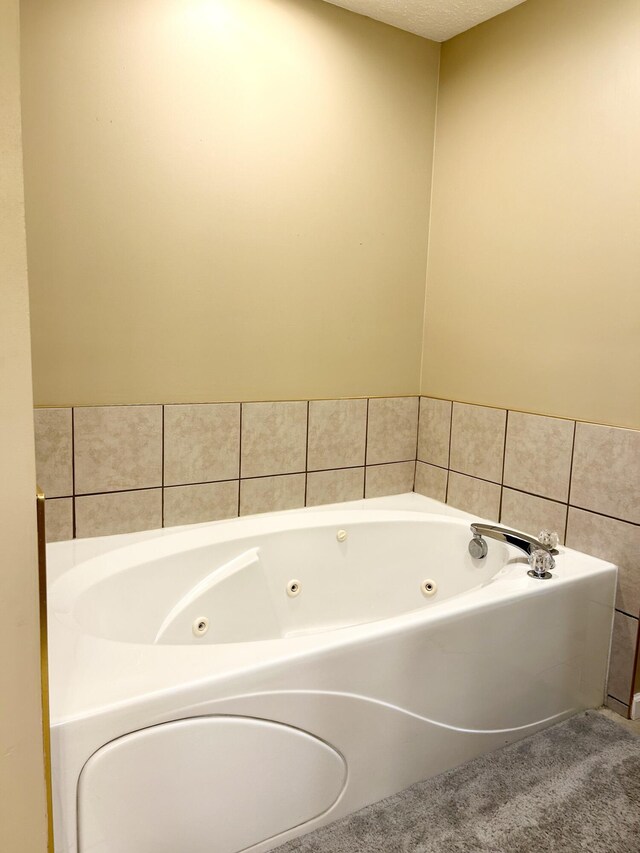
pixel 421 389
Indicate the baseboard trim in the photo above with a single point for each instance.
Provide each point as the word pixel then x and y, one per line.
pixel 634 710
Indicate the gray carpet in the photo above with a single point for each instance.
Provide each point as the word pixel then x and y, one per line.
pixel 574 787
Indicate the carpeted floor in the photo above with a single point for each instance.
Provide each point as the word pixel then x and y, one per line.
pixel 574 787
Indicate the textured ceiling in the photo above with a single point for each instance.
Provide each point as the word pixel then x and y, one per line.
pixel 434 19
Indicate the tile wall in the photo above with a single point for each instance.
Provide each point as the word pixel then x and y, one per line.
pixel 532 472
pixel 117 469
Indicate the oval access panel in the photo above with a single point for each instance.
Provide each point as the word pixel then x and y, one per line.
pixel 204 784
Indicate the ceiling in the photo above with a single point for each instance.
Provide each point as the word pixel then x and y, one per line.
pixel 434 19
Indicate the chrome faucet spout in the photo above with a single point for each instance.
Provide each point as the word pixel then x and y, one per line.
pixel 527 544
pixel 540 552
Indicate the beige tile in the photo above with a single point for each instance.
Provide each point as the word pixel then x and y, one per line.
pixel 615 541
pixel 431 481
pixel 474 496
pixel 203 502
pixel 477 441
pixel 54 451
pixel 270 494
pixel 328 487
pixel 392 430
pixel 606 471
pixel 623 655
pixel 618 707
pixel 117 448
pixel 58 514
pixel 201 443
pixel 532 514
pixel 433 432
pixel 337 433
pixel 538 455
pixel 394 479
pixel 118 512
pixel 274 438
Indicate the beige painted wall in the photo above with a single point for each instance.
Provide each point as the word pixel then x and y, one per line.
pixel 225 200
pixel 533 288
pixel 23 826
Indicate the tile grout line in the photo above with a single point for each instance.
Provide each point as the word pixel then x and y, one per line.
pixel 162 467
pixel 373 464
pixel 128 491
pixel 306 458
pixel 625 613
pixel 604 515
pixel 573 448
pixel 534 495
pixel 73 473
pixel 366 451
pixel 337 468
pixel 241 407
pixel 415 466
pixel 504 461
pixel 482 479
pixel 446 491
pixel 233 479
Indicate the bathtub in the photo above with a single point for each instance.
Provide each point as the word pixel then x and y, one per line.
pixel 228 686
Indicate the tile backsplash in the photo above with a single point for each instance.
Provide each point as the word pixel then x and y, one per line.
pixel 116 469
pixel 531 472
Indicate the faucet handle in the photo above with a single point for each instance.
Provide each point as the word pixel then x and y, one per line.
pixel 541 563
pixel 549 538
pixel 478 547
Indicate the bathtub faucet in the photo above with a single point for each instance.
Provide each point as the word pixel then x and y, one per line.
pixel 540 552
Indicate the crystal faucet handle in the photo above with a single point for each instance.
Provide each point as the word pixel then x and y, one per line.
pixel 549 538
pixel 541 563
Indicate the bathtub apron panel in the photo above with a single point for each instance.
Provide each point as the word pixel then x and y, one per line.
pixel 211 783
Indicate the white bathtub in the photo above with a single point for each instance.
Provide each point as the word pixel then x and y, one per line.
pixel 290 711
